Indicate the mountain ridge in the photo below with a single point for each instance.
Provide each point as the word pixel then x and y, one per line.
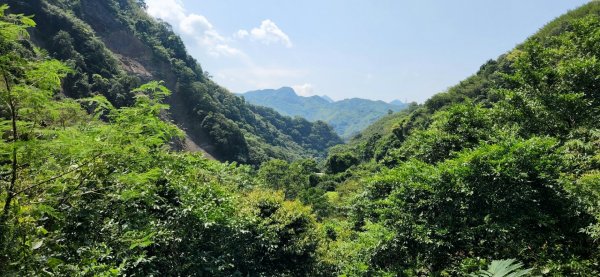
pixel 347 117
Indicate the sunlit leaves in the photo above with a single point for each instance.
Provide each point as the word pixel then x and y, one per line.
pixel 14 26
pixel 504 268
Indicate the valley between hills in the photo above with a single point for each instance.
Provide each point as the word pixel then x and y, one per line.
pixel 121 156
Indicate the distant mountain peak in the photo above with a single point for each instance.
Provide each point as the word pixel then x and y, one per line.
pixel 398 103
pixel 287 90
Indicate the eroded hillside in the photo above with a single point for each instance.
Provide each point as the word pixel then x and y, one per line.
pixel 114 46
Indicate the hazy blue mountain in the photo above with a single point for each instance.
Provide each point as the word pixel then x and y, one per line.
pixel 327 98
pixel 398 103
pixel 347 117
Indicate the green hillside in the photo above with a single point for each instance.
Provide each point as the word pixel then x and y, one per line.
pixel 347 117
pixel 481 88
pixel 501 165
pixel 114 46
pixel 498 176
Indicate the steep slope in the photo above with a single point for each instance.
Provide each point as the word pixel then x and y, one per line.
pixel 503 165
pixel 481 88
pixel 347 117
pixel 94 190
pixel 114 46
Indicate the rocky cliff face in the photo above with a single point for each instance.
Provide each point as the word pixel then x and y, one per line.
pixel 139 59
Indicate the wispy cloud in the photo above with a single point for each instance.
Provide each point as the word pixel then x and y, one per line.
pixel 268 33
pixel 194 25
pixel 245 72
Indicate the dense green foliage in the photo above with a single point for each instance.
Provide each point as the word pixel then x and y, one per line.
pixel 499 176
pixel 88 189
pixel 114 46
pixel 500 166
pixel 347 117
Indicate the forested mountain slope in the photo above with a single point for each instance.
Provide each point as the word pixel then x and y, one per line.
pixel 484 88
pixel 114 46
pixel 347 117
pixel 89 189
pixel 502 165
pixel 499 176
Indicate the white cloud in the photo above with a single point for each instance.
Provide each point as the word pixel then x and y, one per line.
pixel 194 25
pixel 225 50
pixel 304 90
pixel 247 75
pixel 168 10
pixel 189 24
pixel 267 33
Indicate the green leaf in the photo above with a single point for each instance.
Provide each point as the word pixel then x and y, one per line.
pixel 54 262
pixel 504 268
pixel 142 242
pixel 27 21
pixel 37 244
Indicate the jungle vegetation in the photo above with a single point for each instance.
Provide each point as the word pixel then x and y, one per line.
pixel 498 176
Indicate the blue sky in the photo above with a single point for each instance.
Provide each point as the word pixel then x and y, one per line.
pixel 384 49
